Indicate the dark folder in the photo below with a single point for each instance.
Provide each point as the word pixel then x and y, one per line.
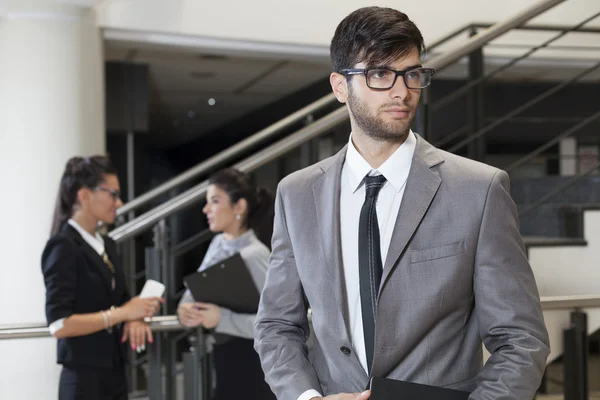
pixel 390 389
pixel 227 284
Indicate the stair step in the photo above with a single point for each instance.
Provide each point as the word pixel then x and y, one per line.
pixel 541 241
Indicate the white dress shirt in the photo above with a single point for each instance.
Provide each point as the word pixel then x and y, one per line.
pixel 97 243
pixel 395 169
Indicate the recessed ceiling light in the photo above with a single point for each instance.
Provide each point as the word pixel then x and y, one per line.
pixel 191 113
pixel 212 102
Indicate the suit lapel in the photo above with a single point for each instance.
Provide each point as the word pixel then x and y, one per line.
pixel 421 186
pixel 326 192
pixel 93 257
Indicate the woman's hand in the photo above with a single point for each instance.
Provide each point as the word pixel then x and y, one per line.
pixel 210 314
pixel 137 332
pixel 189 315
pixel 138 308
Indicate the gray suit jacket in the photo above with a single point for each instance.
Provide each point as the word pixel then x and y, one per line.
pixel 456 273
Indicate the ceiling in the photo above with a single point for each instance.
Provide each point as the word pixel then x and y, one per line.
pixel 191 93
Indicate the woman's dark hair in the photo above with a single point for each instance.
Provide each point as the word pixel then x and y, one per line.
pixel 79 172
pixel 260 201
pixel 376 35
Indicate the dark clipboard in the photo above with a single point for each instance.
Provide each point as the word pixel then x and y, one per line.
pixel 227 283
pixel 390 389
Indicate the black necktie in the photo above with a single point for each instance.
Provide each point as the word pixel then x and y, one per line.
pixel 369 261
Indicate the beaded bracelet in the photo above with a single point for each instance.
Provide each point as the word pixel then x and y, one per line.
pixel 107 315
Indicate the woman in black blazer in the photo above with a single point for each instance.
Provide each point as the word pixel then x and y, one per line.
pixel 87 300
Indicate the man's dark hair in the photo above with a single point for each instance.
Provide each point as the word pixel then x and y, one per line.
pixel 376 35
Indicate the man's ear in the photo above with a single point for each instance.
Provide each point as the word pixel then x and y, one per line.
pixel 339 85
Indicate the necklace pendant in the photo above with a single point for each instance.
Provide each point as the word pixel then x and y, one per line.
pixel 112 283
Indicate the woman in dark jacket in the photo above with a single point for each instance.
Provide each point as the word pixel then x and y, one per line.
pixel 88 307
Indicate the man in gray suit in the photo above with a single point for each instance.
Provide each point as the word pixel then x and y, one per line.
pixel 408 256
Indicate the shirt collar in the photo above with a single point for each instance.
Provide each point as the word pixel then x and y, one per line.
pixel 239 242
pixel 395 169
pixel 96 242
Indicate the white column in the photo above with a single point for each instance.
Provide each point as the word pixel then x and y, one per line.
pixel 51 108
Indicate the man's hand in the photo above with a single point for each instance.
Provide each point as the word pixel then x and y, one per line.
pixel 347 396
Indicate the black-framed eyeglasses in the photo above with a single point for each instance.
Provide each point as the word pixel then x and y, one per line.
pixel 385 78
pixel 114 193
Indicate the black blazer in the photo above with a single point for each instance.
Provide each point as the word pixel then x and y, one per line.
pixel 78 282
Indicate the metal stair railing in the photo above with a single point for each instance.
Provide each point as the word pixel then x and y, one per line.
pixel 484 131
pixel 228 154
pixel 465 90
pixel 144 222
pixel 491 32
pixel 560 189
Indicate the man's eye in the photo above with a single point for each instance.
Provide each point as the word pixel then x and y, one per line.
pixel 413 75
pixel 383 74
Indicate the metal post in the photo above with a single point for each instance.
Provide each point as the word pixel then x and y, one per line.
pixel 196 369
pixel 476 107
pixel 130 167
pixel 130 256
pixel 155 390
pixel 579 320
pixel 163 274
pixel 205 369
pixel 190 384
pixel 575 358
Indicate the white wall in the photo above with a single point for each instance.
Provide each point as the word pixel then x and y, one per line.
pixel 51 108
pixel 563 271
pixel 311 22
pixel 568 270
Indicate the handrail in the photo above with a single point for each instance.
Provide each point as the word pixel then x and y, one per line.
pixel 480 39
pixel 186 199
pixel 528 27
pixel 466 88
pixel 528 157
pixel 157 324
pixel 196 193
pixel 570 302
pixel 169 323
pixel 227 154
pixel 541 27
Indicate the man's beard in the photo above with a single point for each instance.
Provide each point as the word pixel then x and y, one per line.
pixel 374 127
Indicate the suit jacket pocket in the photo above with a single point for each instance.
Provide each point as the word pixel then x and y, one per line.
pixel 436 252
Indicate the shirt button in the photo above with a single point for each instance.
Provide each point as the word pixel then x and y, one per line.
pixel 345 350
